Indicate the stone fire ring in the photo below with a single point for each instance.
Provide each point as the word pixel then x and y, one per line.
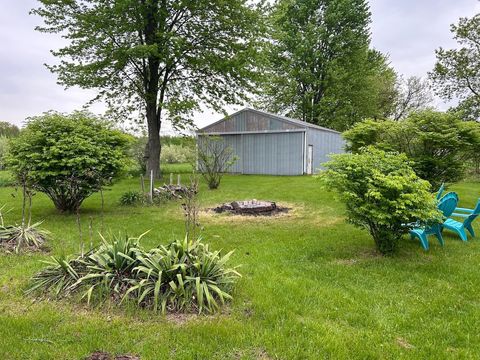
pixel 249 207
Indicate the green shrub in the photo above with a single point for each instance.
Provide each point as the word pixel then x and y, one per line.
pixel 137 198
pixel 438 144
pixel 183 276
pixel 26 236
pixel 381 192
pixel 67 157
pixel 131 198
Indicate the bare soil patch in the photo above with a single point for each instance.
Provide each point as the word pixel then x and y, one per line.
pixel 102 355
pixel 9 247
pixel 180 318
pixel 404 343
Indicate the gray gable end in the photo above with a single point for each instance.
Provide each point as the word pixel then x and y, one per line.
pixel 251 120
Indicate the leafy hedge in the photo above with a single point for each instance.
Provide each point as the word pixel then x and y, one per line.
pixel 438 144
pixel 183 276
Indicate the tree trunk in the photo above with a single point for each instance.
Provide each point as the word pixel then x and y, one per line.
pixel 154 21
pixel 152 151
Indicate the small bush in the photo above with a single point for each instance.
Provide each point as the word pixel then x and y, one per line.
pixel 131 198
pixel 214 159
pixel 26 236
pixel 183 276
pixel 67 157
pixel 382 194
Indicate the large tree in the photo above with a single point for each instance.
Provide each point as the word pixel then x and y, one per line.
pixel 321 67
pixel 456 74
pixel 411 95
pixel 160 57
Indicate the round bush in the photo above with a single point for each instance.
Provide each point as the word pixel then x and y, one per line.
pixel 382 194
pixel 67 157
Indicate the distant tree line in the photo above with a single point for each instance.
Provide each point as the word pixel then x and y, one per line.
pixel 7 131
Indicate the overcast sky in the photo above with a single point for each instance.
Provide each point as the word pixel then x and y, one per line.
pixel 409 31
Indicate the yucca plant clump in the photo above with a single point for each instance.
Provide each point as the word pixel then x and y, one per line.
pixel 22 237
pixel 184 276
pixel 19 237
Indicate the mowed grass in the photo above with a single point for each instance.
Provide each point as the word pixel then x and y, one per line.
pixel 312 286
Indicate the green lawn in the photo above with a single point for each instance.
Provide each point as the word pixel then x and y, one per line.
pixel 176 168
pixel 312 286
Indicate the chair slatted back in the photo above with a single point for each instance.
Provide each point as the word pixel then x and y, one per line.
pixel 448 204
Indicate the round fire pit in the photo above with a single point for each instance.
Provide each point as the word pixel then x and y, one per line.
pixel 249 207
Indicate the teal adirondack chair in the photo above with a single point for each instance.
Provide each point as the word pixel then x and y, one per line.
pixel 447 195
pixel 440 191
pixel 459 227
pixel 447 206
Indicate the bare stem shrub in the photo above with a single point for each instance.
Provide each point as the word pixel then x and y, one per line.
pixel 214 159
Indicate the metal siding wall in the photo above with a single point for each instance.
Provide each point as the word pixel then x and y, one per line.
pixel 324 143
pixel 273 154
pixel 275 124
pixel 235 142
pixel 239 120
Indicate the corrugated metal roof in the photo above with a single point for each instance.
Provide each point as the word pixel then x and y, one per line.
pixel 279 117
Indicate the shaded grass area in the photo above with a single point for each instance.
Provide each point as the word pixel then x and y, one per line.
pixel 312 285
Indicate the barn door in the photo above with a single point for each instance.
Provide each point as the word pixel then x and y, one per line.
pixel 310 160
